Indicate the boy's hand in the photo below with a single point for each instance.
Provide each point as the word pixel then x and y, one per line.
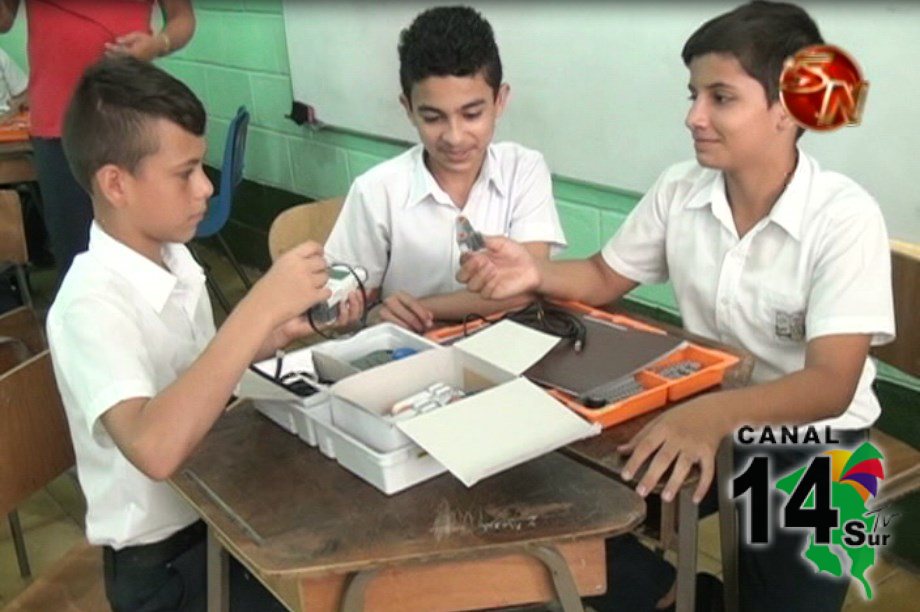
pixel 684 436
pixel 297 327
pixel 294 283
pixel 504 269
pixel 406 311
pixel 139 44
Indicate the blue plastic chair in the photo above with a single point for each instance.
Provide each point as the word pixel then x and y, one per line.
pixel 220 205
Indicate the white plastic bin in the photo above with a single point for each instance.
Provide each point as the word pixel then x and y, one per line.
pixel 390 472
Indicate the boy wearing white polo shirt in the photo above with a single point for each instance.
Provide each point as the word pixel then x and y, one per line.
pixel 767 252
pixel 398 221
pixel 14 85
pixel 141 371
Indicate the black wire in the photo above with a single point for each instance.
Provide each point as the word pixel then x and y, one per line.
pixel 472 317
pixel 279 358
pixel 553 320
pixel 365 309
pixel 539 315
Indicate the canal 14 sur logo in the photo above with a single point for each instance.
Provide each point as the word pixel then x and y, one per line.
pixel 831 496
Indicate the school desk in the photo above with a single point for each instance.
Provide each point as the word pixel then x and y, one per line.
pixel 322 539
pixel 16 162
pixel 679 518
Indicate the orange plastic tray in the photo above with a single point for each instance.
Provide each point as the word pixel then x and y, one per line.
pixel 16 129
pixel 658 389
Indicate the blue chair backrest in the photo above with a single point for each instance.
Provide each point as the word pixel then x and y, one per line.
pixel 231 173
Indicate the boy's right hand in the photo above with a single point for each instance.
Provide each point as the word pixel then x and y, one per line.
pixel 295 282
pixel 504 269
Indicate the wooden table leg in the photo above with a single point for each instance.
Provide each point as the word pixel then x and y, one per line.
pixel 728 526
pixel 353 599
pixel 19 544
pixel 566 591
pixel 218 575
pixel 688 519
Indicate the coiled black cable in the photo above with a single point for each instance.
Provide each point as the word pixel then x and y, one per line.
pixel 544 317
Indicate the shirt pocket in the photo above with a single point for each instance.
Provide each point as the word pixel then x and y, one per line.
pixel 783 315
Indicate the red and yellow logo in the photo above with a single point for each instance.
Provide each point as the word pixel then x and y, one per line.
pixel 822 88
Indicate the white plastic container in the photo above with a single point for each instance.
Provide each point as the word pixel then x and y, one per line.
pixel 281 412
pixel 360 406
pixel 382 337
pixel 390 472
pixel 286 409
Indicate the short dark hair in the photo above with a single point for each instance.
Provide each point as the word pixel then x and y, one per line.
pixel 760 35
pixel 107 121
pixel 448 41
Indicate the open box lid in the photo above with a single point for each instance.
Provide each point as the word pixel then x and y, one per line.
pixel 496 429
pixel 509 421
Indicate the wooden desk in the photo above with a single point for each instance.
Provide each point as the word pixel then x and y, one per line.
pixel 679 518
pixel 16 163
pixel 320 538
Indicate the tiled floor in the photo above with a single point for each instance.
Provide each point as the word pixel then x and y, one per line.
pixel 52 519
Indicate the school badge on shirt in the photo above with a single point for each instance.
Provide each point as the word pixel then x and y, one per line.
pixel 789 325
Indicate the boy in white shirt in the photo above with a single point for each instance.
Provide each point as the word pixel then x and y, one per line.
pixel 14 86
pixel 767 252
pixel 398 221
pixel 141 371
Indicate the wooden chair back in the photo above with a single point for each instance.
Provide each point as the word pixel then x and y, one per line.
pixel 12 231
pixel 23 324
pixel 35 444
pixel 904 352
pixel 298 224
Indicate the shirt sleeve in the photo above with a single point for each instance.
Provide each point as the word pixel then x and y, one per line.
pixel 16 80
pixel 361 236
pixel 100 353
pixel 851 285
pixel 637 250
pixel 534 217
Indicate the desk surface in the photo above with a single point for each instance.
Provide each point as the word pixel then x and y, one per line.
pixel 15 148
pixel 283 507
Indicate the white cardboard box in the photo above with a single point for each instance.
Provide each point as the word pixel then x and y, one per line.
pixel 361 407
pixel 508 421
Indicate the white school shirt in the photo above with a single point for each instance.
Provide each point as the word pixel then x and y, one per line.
pixel 398 223
pixel 122 327
pixel 817 265
pixel 12 80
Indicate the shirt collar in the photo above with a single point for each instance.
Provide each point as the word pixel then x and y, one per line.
pixel 424 183
pixel 712 193
pixel 152 282
pixel 787 212
pixel 790 207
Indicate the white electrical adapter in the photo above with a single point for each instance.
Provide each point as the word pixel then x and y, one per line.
pixel 342 282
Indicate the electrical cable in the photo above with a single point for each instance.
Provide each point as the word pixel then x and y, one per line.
pixel 365 306
pixel 296 386
pixel 545 317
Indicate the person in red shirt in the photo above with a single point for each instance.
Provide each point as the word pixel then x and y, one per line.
pixel 64 38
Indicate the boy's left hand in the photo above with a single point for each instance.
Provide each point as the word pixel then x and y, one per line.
pixel 350 312
pixel 684 436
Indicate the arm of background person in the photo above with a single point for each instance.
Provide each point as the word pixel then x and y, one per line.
pixel 178 27
pixel 8 10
